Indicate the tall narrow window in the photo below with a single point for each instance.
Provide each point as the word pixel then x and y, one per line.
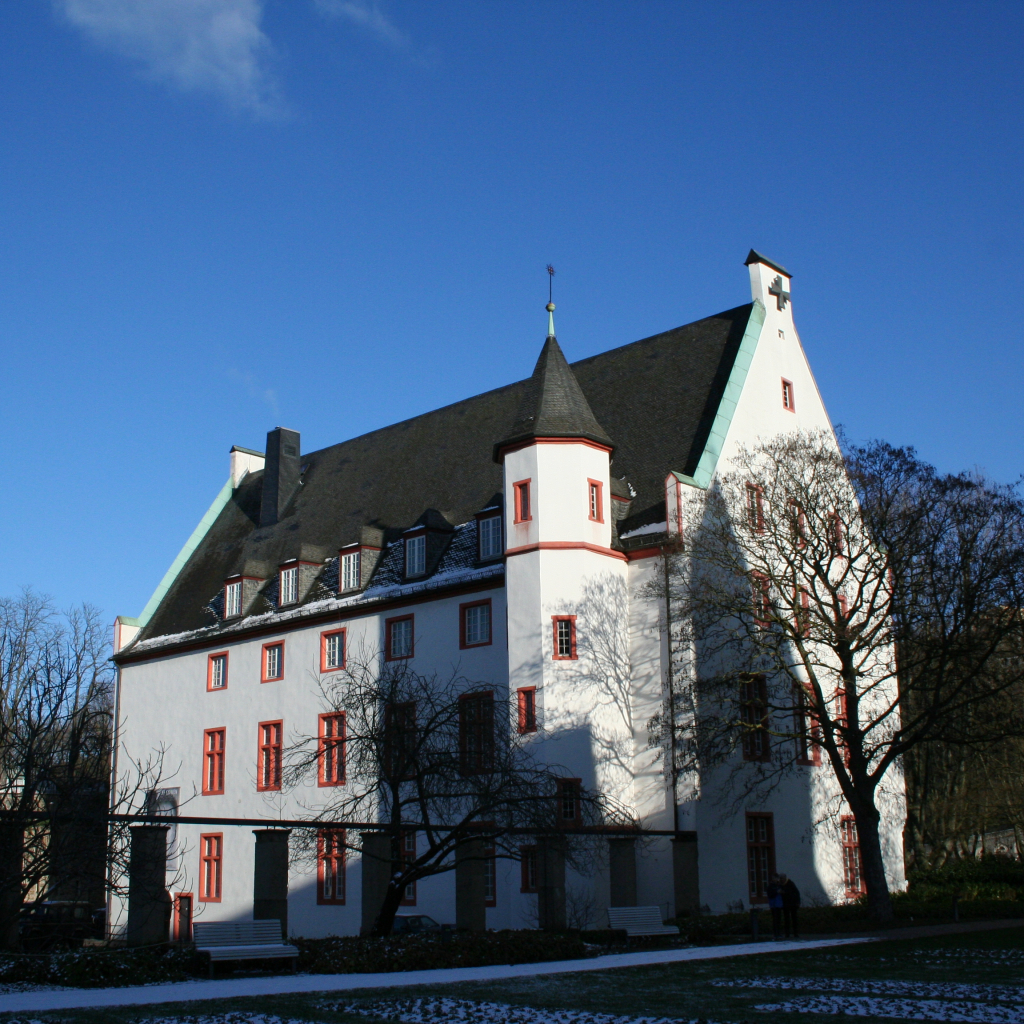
pixel 564 640
pixel 842 721
pixel 836 535
pixel 398 642
pixel 802 612
pixel 569 802
pixel 332 650
pixel 232 600
pixel 268 770
pixel 528 868
pixel 330 866
pixel 332 749
pixel 404 852
pixel 754 718
pixel 213 761
pixel 217 671
pixel 760 856
pixel 350 571
pixel 289 588
pixel 416 555
pixel 805 729
pixel 853 873
pixel 489 530
pixel 762 596
pixel 490 874
pixel 476 732
pixel 273 662
pixel 211 848
pixel 798 523
pixel 475 628
pixel 527 709
pixel 755 508
pixel 788 402
pixel 400 740
pixel 182 931
pixel 595 501
pixel 521 495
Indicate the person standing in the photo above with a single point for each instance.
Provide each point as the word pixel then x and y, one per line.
pixel 790 905
pixel 774 893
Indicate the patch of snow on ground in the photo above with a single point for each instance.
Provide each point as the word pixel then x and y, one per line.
pixel 904 1009
pixel 237 1017
pixel 916 989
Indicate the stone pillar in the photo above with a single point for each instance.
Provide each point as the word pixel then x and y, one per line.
pixel 149 902
pixel 551 883
pixel 376 874
pixel 471 886
pixel 684 873
pixel 622 872
pixel 270 876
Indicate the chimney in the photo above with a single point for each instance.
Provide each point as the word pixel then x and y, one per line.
pixel 280 474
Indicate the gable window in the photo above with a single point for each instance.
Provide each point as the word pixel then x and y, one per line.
pixel 332 650
pixel 476 732
pixel 332 749
pixel 232 600
pixel 213 761
pixel 330 866
pixel 489 530
pixel 528 868
pixel 521 498
pixel 755 508
pixel 398 638
pixel 787 395
pixel 853 873
pixel 217 671
pixel 289 589
pixel 754 718
pixel 416 555
pixel 569 803
pixel 475 624
pixel 527 696
pixel 760 856
pixel 595 501
pixel 564 627
pixel 350 571
pixel 210 866
pixel 268 774
pixel 273 662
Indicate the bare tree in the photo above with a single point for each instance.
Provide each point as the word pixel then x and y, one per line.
pixel 440 759
pixel 849 610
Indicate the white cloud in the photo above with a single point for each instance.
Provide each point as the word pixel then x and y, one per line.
pixel 214 46
pixel 367 14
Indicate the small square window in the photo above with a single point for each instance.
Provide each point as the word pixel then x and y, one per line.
pixel 416 555
pixel 490 537
pixel 217 672
pixel 350 571
pixel 788 402
pixel 399 638
pixel 289 592
pixel 273 662
pixel 476 624
pixel 233 600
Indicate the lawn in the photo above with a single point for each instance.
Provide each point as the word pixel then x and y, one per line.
pixel 974 978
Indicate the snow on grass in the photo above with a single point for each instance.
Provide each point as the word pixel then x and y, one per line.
pixel 957 957
pixel 916 989
pixel 904 1009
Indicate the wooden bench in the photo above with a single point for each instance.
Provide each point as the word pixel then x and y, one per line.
pixel 242 940
pixel 639 921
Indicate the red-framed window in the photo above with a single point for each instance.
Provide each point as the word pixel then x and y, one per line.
pixel 569 802
pixel 563 637
pixel 404 852
pixel 288 586
pixel 217 671
pixel 332 749
pixel 802 612
pixel 595 501
pixel 399 637
pixel 836 535
pixel 400 739
pixel 489 536
pixel 475 624
pixel 853 869
pixel 349 577
pixel 805 728
pixel 760 586
pixel 528 868
pixel 476 732
pixel 232 599
pixel 523 506
pixel 788 401
pixel 842 720
pixel 332 650
pixel 273 662
pixel 798 523
pixel 330 866
pixel 416 555
pixel 213 761
pixel 268 764
pixel 754 718
pixel 490 874
pixel 760 855
pixel 211 866
pixel 527 699
pixel 182 921
pixel 755 507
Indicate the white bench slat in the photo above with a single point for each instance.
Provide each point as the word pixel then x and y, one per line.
pixel 241 940
pixel 640 921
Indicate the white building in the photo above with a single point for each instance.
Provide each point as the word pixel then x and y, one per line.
pixel 509 534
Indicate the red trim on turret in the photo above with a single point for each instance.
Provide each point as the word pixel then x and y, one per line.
pixel 502 452
pixel 565 545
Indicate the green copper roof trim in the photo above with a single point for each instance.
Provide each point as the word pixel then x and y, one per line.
pixel 730 399
pixel 184 555
pixel 551 325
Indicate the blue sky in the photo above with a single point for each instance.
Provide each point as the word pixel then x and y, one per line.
pixel 218 216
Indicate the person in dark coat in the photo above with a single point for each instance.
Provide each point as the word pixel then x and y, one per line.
pixel 774 893
pixel 790 905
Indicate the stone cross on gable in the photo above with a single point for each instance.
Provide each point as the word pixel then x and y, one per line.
pixel 779 292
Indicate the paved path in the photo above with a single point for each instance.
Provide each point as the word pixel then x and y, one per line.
pixel 189 991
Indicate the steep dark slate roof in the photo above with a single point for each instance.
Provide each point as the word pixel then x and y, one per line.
pixel 655 399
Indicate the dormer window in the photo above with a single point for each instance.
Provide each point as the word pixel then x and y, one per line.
pixel 232 600
pixel 416 555
pixel 289 591
pixel 490 537
pixel 350 571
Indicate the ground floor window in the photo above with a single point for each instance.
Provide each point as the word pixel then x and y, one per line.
pixel 528 868
pixel 330 866
pixel 490 874
pixel 210 867
pixel 853 872
pixel 760 856
pixel 404 852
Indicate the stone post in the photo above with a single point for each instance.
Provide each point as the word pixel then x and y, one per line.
pixel 471 887
pixel 551 883
pixel 270 876
pixel 376 874
pixel 684 873
pixel 622 872
pixel 149 902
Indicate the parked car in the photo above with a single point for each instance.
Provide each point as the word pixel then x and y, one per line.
pixel 53 923
pixel 411 924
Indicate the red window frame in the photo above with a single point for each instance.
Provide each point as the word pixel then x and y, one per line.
pixel 332 738
pixel 754 718
pixel 476 732
pixel 388 624
pixel 264 677
pixel 555 620
pixel 842 720
pixel 755 507
pixel 214 754
pixel 853 863
pixel 569 794
pixel 595 501
pixel 527 868
pixel 805 729
pixel 330 867
pixel 270 751
pixel 522 501
pixel 760 836
pixel 211 867
pixel 527 701
pixel 324 667
pixel 182 926
pixel 404 851
pixel 210 688
pixel 788 398
pixel 836 535
pixel 802 612
pixel 761 587
pixel 799 520
pixel 463 611
pixel 287 567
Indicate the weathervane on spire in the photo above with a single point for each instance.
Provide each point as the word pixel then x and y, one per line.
pixel 551 306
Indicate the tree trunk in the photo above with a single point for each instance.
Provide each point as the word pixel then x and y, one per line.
pixel 392 901
pixel 873 866
pixel 12 842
